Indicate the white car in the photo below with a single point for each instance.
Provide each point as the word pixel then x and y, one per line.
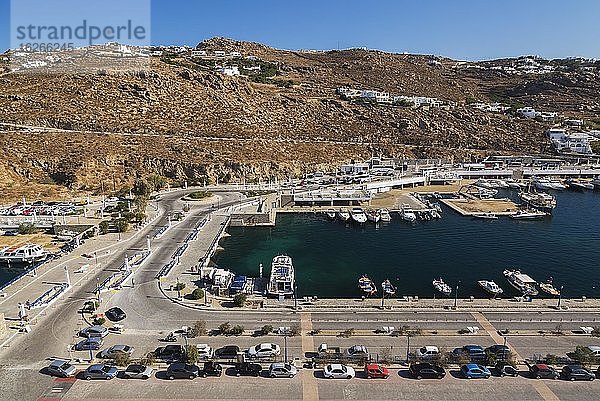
pixel 204 351
pixel 428 351
pixel 264 350
pixel 338 371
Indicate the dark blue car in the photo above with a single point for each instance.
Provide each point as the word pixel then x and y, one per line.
pixel 92 343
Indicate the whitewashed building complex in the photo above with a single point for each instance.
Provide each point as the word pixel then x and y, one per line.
pixel 574 143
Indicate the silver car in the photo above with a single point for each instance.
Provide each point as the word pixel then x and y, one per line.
pixel 60 368
pixel 282 370
pixel 138 372
pixel 94 331
pixel 116 351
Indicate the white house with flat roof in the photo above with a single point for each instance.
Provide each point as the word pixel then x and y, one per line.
pixel 577 142
pixel 231 71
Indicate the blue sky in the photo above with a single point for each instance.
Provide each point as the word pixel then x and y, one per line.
pixel 462 29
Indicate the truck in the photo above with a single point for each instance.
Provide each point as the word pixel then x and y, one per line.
pixel 356 353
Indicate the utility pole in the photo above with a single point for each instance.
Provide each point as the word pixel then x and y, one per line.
pixel 295 297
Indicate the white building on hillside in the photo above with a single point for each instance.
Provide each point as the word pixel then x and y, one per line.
pixel 577 142
pixel 231 71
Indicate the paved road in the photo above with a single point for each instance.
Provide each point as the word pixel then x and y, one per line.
pixel 151 316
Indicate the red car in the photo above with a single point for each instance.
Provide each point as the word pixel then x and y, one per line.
pixel 375 371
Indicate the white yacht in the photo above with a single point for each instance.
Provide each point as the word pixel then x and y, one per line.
pixel 358 215
pixel 408 214
pixel 282 280
pixel 549 288
pixel 29 253
pixel 384 215
pixel 528 215
pixel 596 182
pixel 580 184
pixel 330 213
pixel 442 287
pixel 547 183
pixel 521 282
pixel 491 287
pixel 388 288
pixel 343 214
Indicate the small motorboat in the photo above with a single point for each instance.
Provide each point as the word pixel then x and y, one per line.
pixel 485 216
pixel 388 288
pixel 442 287
pixel 408 214
pixel 491 287
pixel 373 216
pixel 367 285
pixel 358 215
pixel 384 215
pixel 343 214
pixel 330 213
pixel 528 215
pixel 549 288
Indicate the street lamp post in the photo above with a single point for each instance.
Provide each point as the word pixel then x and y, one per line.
pixel 285 347
pixel 295 297
pixel 98 290
pixel 407 347
pixel 560 297
pixel 456 295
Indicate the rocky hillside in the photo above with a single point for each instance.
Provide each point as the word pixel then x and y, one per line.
pixel 184 120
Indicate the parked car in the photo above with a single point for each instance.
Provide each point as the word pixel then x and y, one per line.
pixel 265 350
pixel 94 331
pixel 247 369
pixel 376 371
pixel 60 368
pixel 115 314
pixel 204 351
pixel 543 371
pixel 338 371
pixel 358 351
pixel 577 372
pixel 100 371
pixel 92 343
pixel 500 351
pixel 473 352
pixel 426 371
pixel 211 369
pixel 506 369
pixel 427 352
pixel 170 353
pixel 282 370
pixel 182 371
pixel 227 352
pixel 595 349
pixel 475 371
pixel 116 351
pixel 136 371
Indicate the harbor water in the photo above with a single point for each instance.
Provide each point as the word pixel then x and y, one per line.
pixel 330 256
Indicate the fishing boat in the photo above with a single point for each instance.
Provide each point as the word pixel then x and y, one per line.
pixel 538 200
pixel 281 282
pixel 528 215
pixel 596 182
pixel 367 285
pixel 358 215
pixel 388 288
pixel 491 287
pixel 23 254
pixel 343 214
pixel 442 287
pixel 548 287
pixel 579 184
pixel 373 216
pixel 407 213
pixel 330 213
pixel 384 215
pixel 521 282
pixel 485 216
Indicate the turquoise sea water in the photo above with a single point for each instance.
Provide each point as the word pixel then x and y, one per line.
pixel 329 257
